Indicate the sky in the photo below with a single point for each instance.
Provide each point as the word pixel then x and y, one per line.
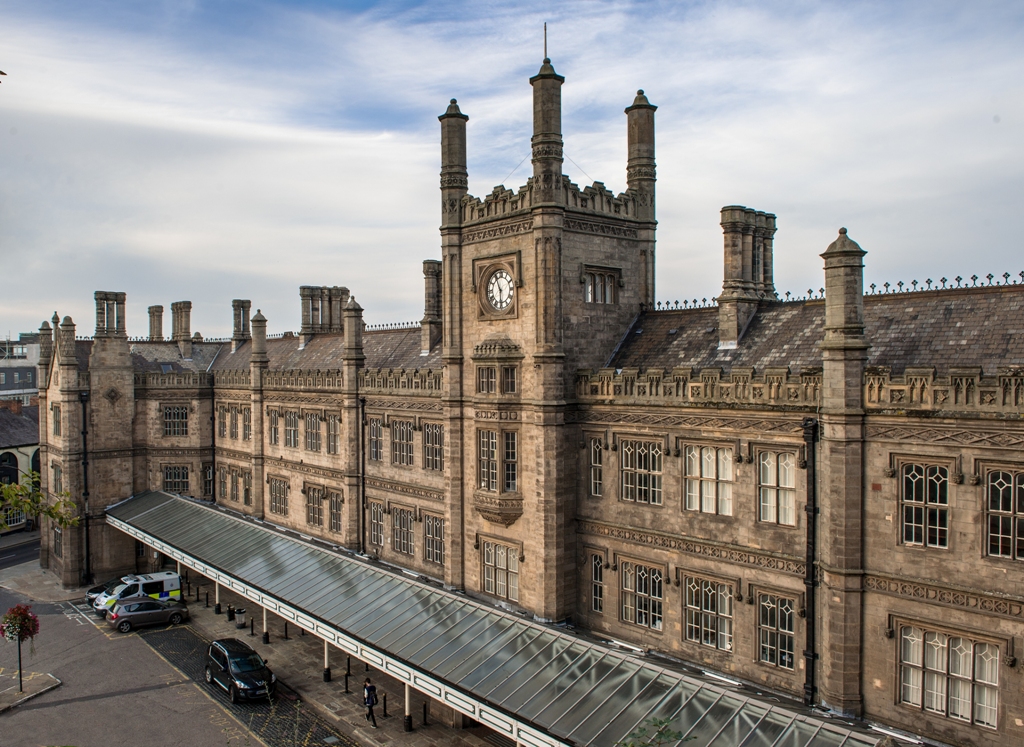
pixel 207 150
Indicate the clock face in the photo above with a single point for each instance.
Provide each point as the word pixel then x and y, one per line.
pixel 500 289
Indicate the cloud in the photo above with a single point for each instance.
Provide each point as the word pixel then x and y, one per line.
pixel 211 151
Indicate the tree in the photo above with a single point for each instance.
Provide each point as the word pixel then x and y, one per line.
pixel 18 625
pixel 26 497
pixel 653 733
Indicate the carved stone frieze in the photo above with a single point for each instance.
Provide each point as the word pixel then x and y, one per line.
pixel 703 548
pixel 682 421
pixel 988 603
pixel 403 489
pixel 498 508
pixel 602 229
pixel 454 180
pixel 641 172
pixel 407 404
pixel 493 232
pixel 958 436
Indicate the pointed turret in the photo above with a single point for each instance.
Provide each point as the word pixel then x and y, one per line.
pixel 547 134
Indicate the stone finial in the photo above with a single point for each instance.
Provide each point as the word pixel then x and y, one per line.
pixel 45 344
pixel 454 176
pixel 453 111
pixel 259 338
pixel 547 134
pixel 844 294
pixel 641 172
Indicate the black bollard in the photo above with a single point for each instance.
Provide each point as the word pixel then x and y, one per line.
pixel 286 630
pixel 266 636
pixel 302 631
pixel 207 599
pixel 252 628
pixel 385 705
pixel 408 723
pixel 189 585
pixel 327 674
pixel 231 613
pixel 367 666
pixel 425 714
pixel 348 666
pixel 346 683
pixel 197 593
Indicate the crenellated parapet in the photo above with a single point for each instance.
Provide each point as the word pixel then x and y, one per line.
pixel 319 380
pixel 390 380
pixel 960 390
pixel 689 387
pixel 596 200
pixel 232 379
pixel 184 380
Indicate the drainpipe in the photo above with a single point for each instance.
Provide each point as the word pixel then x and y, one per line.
pixel 362 475
pixel 810 426
pixel 83 397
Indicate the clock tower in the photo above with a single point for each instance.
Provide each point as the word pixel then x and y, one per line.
pixel 537 283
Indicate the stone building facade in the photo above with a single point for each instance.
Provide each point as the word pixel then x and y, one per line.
pixel 822 496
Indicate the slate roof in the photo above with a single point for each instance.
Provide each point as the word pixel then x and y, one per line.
pixel 945 329
pixel 19 430
pixel 153 356
pixel 392 348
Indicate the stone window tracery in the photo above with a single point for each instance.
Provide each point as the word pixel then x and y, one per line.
pixel 401 442
pixel 376 428
pixel 377 524
pixel 314 505
pixel 402 534
pixel 335 500
pixel 313 431
pixel 596 467
pixel 55 409
pixel 597 582
pixel 275 437
pixel 176 479
pixel 642 594
pixel 234 423
pixel 176 420
pixel 278 496
pixel 501 570
pixel 433 446
pixel 925 502
pixel 333 433
pixel 776 630
pixel 777 487
pixel 1005 491
pixel 291 429
pixel 246 423
pixel 709 613
pixel 433 538
pixel 641 471
pixel 709 478
pixel 953 676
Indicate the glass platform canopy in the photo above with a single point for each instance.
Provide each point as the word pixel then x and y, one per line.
pixel 538 685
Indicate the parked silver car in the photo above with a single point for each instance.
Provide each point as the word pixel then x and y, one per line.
pixel 134 613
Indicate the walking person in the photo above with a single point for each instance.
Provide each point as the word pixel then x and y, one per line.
pixel 370 700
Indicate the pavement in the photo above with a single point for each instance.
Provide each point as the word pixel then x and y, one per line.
pixel 316 711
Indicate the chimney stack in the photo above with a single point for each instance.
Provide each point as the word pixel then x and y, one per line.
pixel 748 275
pixel 430 326
pixel 156 323
pixel 181 326
pixel 110 314
pixel 240 312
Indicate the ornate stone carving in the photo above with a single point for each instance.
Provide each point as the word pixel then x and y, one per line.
pixel 395 404
pixel 403 489
pixel 950 597
pixel 454 180
pixel 641 172
pixel 493 232
pixel 502 509
pixel 547 151
pixel 682 421
pixel 695 547
pixel 959 436
pixel 602 229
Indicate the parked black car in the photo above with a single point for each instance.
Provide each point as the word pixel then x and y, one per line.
pixel 234 666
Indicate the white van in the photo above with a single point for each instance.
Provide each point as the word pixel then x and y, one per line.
pixel 164 585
